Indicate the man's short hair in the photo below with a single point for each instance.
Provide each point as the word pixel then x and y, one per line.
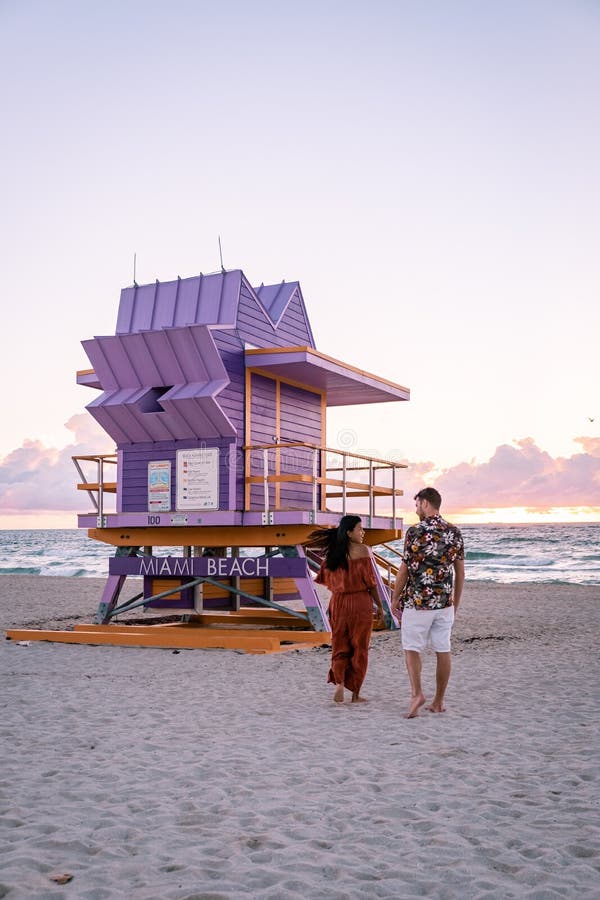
pixel 431 495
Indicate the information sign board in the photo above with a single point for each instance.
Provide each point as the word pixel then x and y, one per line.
pixel 159 486
pixel 198 478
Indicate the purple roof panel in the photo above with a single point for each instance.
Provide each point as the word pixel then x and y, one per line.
pixel 167 383
pixel 202 389
pixel 161 366
pixel 187 301
pixel 164 306
pixel 162 373
pixel 230 296
pixel 202 300
pixel 211 292
pixel 343 384
pixel 117 420
pixel 201 415
pixel 125 313
pixel 141 309
pixel 95 350
pixel 141 360
pixel 275 298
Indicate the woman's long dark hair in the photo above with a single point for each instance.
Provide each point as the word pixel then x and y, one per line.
pixel 335 542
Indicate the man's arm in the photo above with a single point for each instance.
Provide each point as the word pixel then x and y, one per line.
pixel 401 579
pixel 459 580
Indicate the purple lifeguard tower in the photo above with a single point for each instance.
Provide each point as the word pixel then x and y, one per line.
pixel 217 399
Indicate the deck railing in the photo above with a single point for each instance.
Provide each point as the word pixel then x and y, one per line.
pixel 323 474
pixel 388 567
pixel 96 489
pixel 290 475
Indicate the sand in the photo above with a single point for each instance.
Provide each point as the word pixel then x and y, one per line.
pixel 146 773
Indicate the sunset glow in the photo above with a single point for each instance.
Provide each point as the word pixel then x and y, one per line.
pixel 518 515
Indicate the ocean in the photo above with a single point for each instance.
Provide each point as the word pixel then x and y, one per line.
pixel 502 553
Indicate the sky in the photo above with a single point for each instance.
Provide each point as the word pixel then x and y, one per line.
pixel 428 171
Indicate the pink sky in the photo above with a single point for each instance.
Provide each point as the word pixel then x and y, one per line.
pixel 427 171
pixel 519 482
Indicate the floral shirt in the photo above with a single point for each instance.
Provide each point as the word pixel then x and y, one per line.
pixel 430 549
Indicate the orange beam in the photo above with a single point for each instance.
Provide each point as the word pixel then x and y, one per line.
pixel 221 536
pixel 338 482
pixel 161 636
pixel 299 384
pixel 323 455
pixel 247 433
pixel 278 436
pixel 255 479
pixel 109 487
pixel 227 633
pixel 204 536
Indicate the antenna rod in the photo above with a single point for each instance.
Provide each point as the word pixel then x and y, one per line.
pixel 134 261
pixel 221 254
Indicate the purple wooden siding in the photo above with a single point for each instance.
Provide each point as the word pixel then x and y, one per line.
pixel 300 416
pixel 295 324
pixel 232 397
pixel 134 470
pixel 262 428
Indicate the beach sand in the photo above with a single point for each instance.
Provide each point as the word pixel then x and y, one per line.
pixel 147 773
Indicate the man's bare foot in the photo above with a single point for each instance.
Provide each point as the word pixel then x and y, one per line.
pixel 415 705
pixel 357 699
pixel 436 707
pixel 338 697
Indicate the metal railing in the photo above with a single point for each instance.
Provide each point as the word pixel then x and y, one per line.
pixel 96 489
pixel 294 475
pixel 390 567
pixel 320 473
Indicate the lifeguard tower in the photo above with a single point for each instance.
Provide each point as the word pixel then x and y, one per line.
pixel 217 398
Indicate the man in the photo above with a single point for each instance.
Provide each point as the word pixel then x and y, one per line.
pixel 433 554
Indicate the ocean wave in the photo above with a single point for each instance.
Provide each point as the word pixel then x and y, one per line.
pixel 67 571
pixel 481 554
pixel 525 563
pixel 562 554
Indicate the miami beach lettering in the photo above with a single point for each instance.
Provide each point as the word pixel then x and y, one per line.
pixel 244 567
pixel 248 567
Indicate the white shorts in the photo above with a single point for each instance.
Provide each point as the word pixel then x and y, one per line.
pixel 423 628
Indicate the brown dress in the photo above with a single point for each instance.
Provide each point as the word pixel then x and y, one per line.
pixel 351 617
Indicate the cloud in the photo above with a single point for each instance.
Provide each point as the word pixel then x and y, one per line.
pixel 521 475
pixel 35 477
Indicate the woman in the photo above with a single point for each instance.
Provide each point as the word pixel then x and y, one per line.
pixel 349 574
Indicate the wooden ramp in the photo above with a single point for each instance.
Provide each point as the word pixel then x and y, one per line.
pixel 252 631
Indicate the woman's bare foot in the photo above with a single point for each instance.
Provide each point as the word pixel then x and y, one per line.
pixel 358 699
pixel 338 697
pixel 415 705
pixel 436 707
